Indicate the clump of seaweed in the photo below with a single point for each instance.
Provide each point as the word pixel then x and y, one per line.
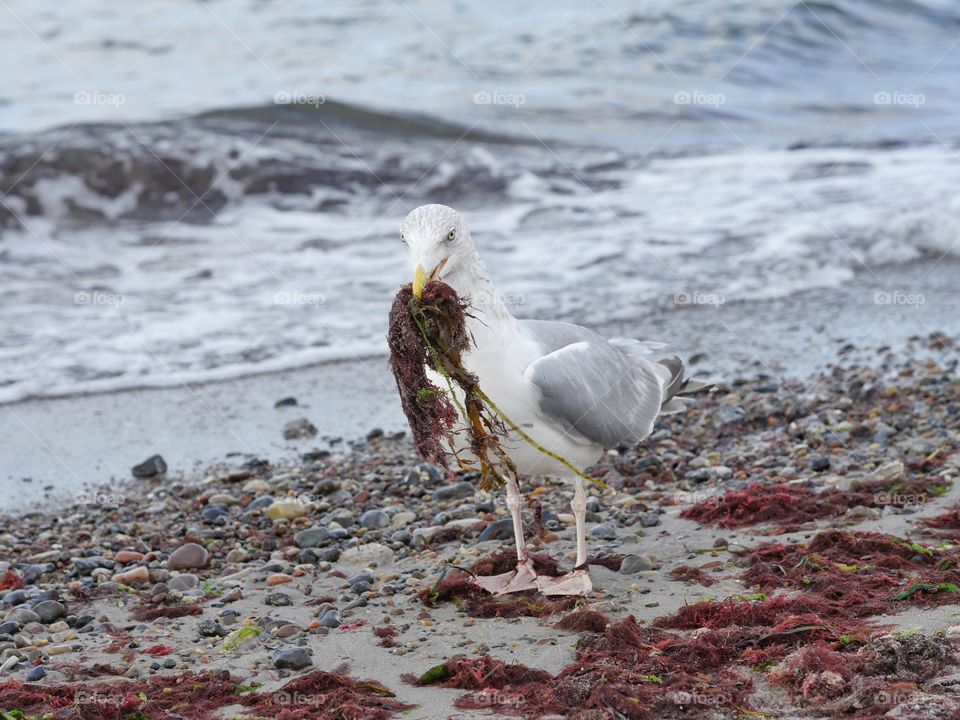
pixel 794 506
pixel 622 670
pixel 428 329
pixel 203 696
pixel 688 573
pixel 431 331
pixel 863 573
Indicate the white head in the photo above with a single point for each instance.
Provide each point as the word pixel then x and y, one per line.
pixel 441 248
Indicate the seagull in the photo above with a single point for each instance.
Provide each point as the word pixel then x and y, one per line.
pixel 572 391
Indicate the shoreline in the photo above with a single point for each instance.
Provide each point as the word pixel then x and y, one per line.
pixel 68 443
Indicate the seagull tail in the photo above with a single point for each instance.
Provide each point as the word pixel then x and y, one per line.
pixel 678 390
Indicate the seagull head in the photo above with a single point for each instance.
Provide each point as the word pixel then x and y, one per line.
pixel 440 247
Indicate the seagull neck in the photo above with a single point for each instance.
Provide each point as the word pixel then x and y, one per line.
pixel 486 306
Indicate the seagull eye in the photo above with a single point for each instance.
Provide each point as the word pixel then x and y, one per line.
pixel 403 238
pixel 451 236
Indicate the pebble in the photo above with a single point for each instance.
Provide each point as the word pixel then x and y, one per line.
pixel 374 519
pixel 183 581
pixel 49 611
pixel 457 491
pixel 151 467
pixel 819 464
pixel 635 563
pixel 311 537
pixel 138 575
pixel 605 531
pixel 401 519
pixel 286 510
pixel 278 599
pixel 125 557
pixel 256 486
pixel 330 619
pixel 372 552
pixel 292 659
pixel 36 674
pixel 299 428
pixel 278 579
pixel 187 557
pixel 498 530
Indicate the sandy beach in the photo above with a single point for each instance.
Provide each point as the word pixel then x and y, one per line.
pixel 325 586
pixel 211 504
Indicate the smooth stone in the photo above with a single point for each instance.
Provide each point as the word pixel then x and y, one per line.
pixel 374 519
pixel 605 531
pixel 256 486
pixel 425 474
pixel 37 673
pixel 221 499
pixel 372 552
pixel 278 579
pixel 402 519
pixel 278 599
pixel 650 519
pixel 456 491
pixel 49 611
pixel 151 467
pixel 215 514
pixel 187 557
pixel 331 619
pixel 136 575
pixel 212 628
pixel 287 631
pixel 292 659
pixel 237 555
pixel 15 597
pixel 9 627
pixel 498 530
pixel 635 563
pixel 286 510
pixel 184 581
pixel 299 428
pixel 819 464
pixel 311 537
pixel 261 503
pixel 125 557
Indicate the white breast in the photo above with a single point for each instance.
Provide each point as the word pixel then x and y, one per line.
pixel 500 356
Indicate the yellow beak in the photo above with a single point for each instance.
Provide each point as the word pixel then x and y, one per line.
pixel 419 281
pixel 421 277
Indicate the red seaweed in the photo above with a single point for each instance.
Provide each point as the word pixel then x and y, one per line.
pixel 793 506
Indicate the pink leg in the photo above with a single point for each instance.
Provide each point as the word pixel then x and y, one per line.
pixel 524 577
pixel 577 582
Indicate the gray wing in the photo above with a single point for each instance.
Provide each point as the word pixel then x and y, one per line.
pixel 593 388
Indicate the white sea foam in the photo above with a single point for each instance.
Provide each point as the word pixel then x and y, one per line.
pixel 270 285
